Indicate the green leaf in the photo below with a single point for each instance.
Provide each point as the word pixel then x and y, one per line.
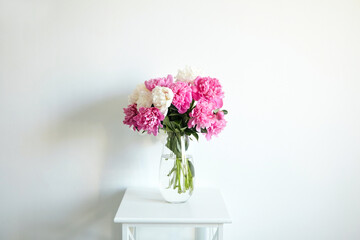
pixel 177 123
pixel 171 126
pixel 186 118
pixel 192 106
pixel 168 129
pixel 166 122
pixel 186 143
pixel 225 111
pixel 188 131
pixel 196 135
pixel 173 108
pixel 192 169
pixel 183 129
pixel 203 130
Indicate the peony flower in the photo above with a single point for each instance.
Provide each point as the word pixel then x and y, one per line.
pixel 149 120
pixel 162 98
pixel 162 82
pixel 141 96
pixel 145 99
pixel 202 115
pixel 130 112
pixel 209 89
pixel 182 96
pixel 187 74
pixel 216 126
pixel 133 98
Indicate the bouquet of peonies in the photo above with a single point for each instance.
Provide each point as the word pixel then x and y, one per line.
pixel 190 105
pixel 185 107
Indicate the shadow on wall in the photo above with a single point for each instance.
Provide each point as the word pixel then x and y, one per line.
pixel 91 218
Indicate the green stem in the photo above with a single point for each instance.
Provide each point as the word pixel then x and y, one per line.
pixel 180 173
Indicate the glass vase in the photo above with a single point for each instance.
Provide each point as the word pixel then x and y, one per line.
pixel 176 175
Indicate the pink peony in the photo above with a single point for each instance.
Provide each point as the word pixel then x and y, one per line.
pixel 209 89
pixel 216 126
pixel 130 113
pixel 220 115
pixel 182 96
pixel 202 116
pixel 162 82
pixel 149 119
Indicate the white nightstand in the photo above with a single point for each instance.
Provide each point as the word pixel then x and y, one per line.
pixel 143 207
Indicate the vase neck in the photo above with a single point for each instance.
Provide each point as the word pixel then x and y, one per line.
pixel 177 145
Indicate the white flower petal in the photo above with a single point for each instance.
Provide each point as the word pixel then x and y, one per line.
pixel 145 99
pixel 162 98
pixel 133 98
pixel 187 74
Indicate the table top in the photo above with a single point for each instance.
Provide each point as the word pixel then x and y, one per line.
pixel 146 205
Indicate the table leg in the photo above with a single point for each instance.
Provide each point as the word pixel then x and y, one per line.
pixel 128 232
pixel 212 233
pixel 220 232
pixel 201 233
pixel 124 232
pixel 133 232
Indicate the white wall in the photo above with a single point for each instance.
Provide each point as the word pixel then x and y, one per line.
pixel 288 162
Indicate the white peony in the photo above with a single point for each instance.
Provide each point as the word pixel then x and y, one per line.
pixel 145 99
pixel 141 96
pixel 162 98
pixel 187 74
pixel 133 98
